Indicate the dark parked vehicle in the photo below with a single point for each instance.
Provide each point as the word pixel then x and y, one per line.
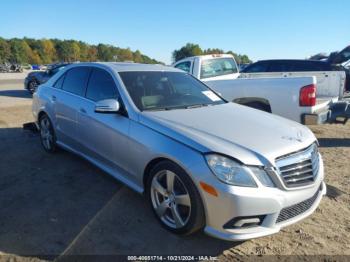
pixel 34 79
pixel 242 66
pixel 333 63
pixel 287 65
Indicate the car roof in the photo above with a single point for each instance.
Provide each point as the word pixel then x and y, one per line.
pixel 125 66
pixel 53 66
pixel 209 56
pixel 293 60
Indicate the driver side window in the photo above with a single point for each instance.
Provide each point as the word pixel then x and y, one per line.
pixel 101 86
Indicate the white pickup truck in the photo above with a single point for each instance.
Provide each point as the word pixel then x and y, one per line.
pixel 305 97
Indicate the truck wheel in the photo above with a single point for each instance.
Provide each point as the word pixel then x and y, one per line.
pixel 174 199
pixel 259 106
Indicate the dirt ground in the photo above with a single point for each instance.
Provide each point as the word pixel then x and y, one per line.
pixel 55 205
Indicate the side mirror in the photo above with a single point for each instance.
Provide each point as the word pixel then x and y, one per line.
pixel 107 106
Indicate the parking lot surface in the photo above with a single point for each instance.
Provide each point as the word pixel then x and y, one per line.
pixel 54 205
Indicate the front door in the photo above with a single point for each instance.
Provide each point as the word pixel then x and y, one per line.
pixel 103 136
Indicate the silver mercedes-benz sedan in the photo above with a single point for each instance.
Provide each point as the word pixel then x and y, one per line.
pixel 202 162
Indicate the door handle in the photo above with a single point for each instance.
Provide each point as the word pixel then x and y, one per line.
pixel 53 98
pixel 82 110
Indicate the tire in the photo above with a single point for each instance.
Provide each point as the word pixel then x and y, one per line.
pixel 179 208
pixel 47 134
pixel 32 86
pixel 259 106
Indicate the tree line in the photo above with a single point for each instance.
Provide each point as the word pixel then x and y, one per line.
pixel 47 51
pixel 193 50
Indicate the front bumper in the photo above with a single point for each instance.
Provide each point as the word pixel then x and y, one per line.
pixel 264 202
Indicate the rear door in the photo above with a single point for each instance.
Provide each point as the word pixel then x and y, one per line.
pixel 67 102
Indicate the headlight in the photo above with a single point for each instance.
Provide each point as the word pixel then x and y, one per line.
pixel 262 176
pixel 233 173
pixel 230 171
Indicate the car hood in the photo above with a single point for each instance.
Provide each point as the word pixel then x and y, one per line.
pixel 38 73
pixel 40 76
pixel 248 135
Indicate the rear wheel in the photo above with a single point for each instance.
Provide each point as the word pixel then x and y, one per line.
pixel 175 199
pixel 47 134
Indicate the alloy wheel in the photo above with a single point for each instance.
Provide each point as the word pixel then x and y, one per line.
pixel 170 199
pixel 46 133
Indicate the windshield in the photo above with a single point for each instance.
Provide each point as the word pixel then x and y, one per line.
pixel 218 67
pixel 167 90
pixel 55 70
pixel 347 65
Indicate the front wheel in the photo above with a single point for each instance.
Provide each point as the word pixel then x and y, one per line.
pixel 47 134
pixel 32 86
pixel 175 199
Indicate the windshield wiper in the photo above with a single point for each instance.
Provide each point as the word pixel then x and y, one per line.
pixel 175 107
pixel 196 106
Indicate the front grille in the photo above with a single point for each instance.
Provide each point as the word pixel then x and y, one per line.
pixel 297 209
pixel 300 168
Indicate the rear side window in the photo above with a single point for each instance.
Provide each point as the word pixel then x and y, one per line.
pixel 59 82
pixel 297 66
pixel 76 80
pixel 310 66
pixel 101 86
pixel 185 66
pixel 258 67
pixel 280 66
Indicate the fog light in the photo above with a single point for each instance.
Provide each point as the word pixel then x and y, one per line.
pixel 244 222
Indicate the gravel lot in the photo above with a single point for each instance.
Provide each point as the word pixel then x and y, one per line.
pixel 54 205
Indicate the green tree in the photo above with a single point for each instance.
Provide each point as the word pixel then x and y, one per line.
pixel 194 49
pixel 68 51
pixel 137 57
pixel 92 54
pixel 186 51
pixel 34 58
pixel 125 54
pixel 104 53
pixel 210 51
pixel 244 59
pixel 63 50
pixel 47 51
pixel 5 51
pixel 18 54
pixel 75 51
pixel 84 51
pixel 54 50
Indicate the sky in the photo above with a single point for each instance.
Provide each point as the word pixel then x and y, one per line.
pixel 262 29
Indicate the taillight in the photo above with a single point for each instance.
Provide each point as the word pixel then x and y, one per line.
pixel 308 95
